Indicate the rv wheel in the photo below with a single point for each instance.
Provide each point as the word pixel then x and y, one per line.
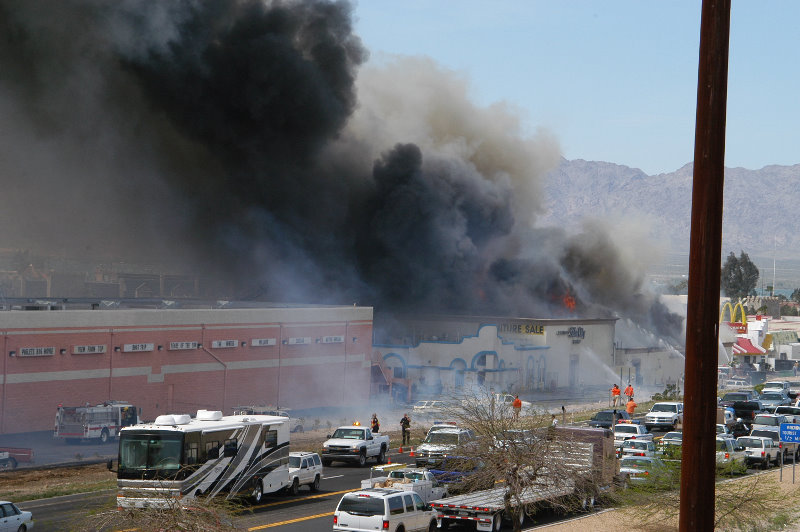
pixel 497 523
pixel 104 436
pixel 258 492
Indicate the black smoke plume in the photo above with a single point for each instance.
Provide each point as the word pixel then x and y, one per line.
pixel 247 140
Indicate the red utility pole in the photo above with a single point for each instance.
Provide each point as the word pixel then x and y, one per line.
pixel 698 462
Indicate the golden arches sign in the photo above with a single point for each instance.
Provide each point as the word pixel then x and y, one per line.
pixel 740 326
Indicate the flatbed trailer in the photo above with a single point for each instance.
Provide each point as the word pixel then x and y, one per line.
pixel 486 508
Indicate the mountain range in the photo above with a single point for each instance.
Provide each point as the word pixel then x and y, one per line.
pixel 758 211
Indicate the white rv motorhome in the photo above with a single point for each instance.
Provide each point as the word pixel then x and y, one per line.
pixel 181 457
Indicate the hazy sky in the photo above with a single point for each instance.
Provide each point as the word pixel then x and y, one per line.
pixel 613 81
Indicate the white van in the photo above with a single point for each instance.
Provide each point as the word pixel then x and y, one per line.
pixel 383 509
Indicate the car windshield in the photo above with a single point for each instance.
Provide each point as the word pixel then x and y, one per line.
pixel 722 446
pixel 735 397
pixel 750 442
pixel 349 434
pixel 635 463
pixel 771 434
pixel 664 408
pixel 673 436
pixel 767 420
pixel 294 461
pixel 626 429
pixel 787 410
pixel 775 396
pixel 150 451
pixel 361 505
pixel 773 385
pixel 635 444
pixel 442 438
pixel 720 429
pixel 410 475
pixel 602 416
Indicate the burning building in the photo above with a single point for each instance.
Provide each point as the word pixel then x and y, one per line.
pixel 251 141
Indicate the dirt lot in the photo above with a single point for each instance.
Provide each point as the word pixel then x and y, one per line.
pixel 25 484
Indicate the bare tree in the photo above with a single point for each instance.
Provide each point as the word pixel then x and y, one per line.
pixel 536 463
pixel 166 512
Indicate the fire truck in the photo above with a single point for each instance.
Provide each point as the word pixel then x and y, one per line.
pixel 101 422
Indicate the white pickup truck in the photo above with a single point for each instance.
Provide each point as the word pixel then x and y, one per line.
pixel 404 478
pixel 664 415
pixel 354 444
pixel 630 431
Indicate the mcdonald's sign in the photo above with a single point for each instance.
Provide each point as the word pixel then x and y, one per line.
pixel 739 326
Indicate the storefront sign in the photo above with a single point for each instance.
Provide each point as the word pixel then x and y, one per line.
pixel 182 346
pixel 520 328
pixel 224 344
pixel 88 349
pixel 263 342
pixel 37 351
pixel 137 348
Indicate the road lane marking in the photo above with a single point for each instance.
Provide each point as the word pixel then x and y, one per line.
pixel 288 501
pixel 290 521
pixel 334 476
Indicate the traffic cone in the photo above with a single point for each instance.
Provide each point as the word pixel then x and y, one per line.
pixel 389 461
pixel 411 452
pixel 400 450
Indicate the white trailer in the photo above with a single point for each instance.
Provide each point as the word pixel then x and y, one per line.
pixel 179 458
pixel 487 508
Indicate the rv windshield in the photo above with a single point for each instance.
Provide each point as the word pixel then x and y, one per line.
pixel 158 453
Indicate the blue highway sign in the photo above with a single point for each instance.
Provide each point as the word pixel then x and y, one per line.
pixel 790 432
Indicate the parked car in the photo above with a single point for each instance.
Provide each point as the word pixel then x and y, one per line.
pixel 773 398
pixel 629 431
pixel 606 418
pixel 781 386
pixel 13 518
pixel 724 432
pixel 735 383
pixel 742 395
pixel 641 468
pixel 772 421
pixel 428 407
pixel 383 509
pixel 305 469
pixel 729 452
pixel 637 448
pixel 759 450
pixel 774 434
pixel 792 413
pixel 670 444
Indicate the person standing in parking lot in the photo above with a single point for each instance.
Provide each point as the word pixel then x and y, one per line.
pixel 629 391
pixel 405 424
pixel 630 407
pixel 517 404
pixel 615 391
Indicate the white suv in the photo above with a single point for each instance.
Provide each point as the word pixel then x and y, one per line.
pixel 383 509
pixel 304 468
